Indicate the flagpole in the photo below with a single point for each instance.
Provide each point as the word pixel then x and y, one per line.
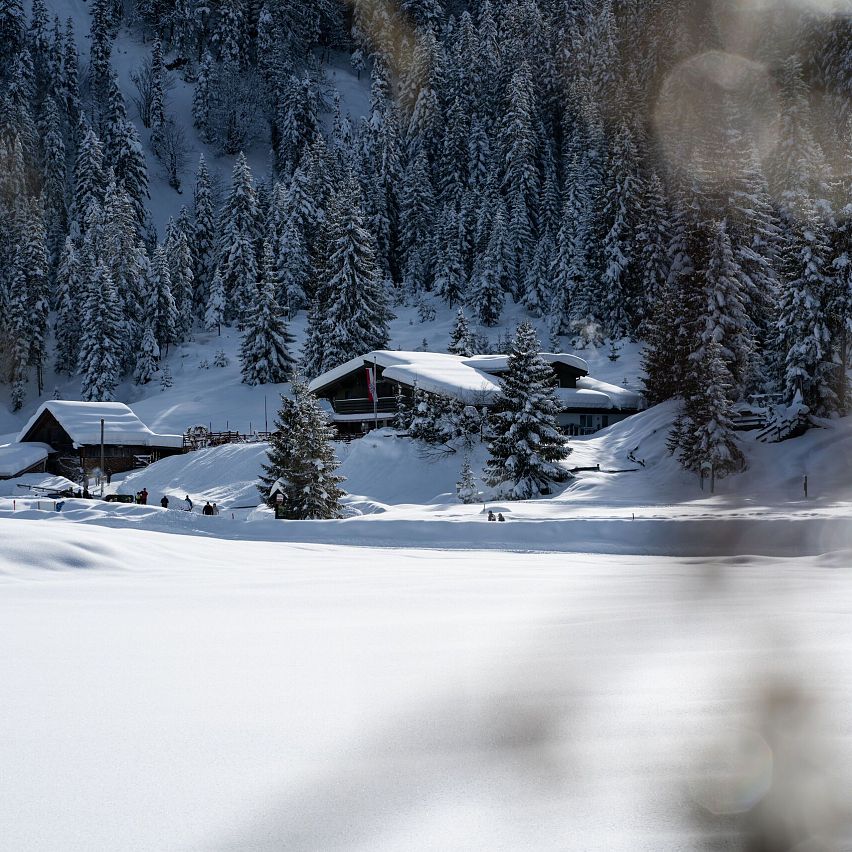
pixel 375 392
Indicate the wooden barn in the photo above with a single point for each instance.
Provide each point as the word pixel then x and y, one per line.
pixel 72 432
pixel 587 404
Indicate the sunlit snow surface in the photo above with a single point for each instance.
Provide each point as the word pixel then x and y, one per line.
pixel 184 692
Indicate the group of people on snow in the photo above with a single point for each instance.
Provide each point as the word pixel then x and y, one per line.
pixel 498 518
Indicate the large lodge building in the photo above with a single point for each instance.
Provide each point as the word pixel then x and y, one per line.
pixel 588 405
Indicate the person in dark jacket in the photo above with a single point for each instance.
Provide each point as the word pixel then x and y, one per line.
pixel 143 496
pixel 208 509
pixel 164 502
pixel 491 516
pixel 500 516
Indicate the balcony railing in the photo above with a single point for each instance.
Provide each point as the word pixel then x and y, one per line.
pixel 385 405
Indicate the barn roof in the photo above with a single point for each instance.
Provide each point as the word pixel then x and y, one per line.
pixel 82 422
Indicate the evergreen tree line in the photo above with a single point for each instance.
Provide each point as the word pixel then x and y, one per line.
pixel 509 153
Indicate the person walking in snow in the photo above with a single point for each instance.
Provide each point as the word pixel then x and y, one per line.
pixel 143 496
pixel 187 503
pixel 208 509
pixel 215 509
pixel 491 516
pixel 164 502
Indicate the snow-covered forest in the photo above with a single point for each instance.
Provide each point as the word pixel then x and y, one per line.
pixel 676 172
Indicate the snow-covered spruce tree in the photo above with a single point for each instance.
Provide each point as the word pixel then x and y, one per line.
pixel 726 321
pixel 166 381
pixel 527 445
pixel 803 339
pixel 181 276
pixel 202 98
pixel 466 489
pixel 123 152
pixel 619 310
pixel 100 339
pixel 461 342
pixel 147 358
pixel 66 329
pixel 18 329
pixel 162 310
pixel 491 276
pixel 302 463
pixel 54 174
pixel 265 349
pixel 535 290
pixel 652 236
pixel 449 269
pixel 158 97
pixel 402 418
pixel 237 258
pixel 34 264
pixel 205 233
pixel 214 310
pixel 430 421
pixel 292 268
pixel 350 314
pixel 707 432
pixel 89 179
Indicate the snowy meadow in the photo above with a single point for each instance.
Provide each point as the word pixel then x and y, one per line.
pixel 177 692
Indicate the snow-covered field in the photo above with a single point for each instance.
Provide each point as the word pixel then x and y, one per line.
pixel 174 692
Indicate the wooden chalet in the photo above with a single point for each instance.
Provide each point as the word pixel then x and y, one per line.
pixel 588 405
pixel 71 432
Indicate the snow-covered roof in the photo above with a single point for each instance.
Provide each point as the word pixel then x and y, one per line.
pixel 16 458
pixel 82 422
pixel 436 372
pixel 500 363
pixel 470 379
pixel 618 396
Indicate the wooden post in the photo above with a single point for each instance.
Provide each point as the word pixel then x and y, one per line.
pixel 102 457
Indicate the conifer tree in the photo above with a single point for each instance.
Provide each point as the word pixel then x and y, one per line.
pixel 166 380
pixel 491 276
pixel 204 235
pixel 89 179
pixel 100 339
pixel 535 292
pixel 12 28
pixel 237 257
pixel 214 312
pixel 466 490
pixel 350 313
pixel 18 330
pixel 803 340
pixel 34 266
pixel 54 176
pixel 158 96
pixel 66 330
pixel 71 79
pixel 265 349
pixel 182 279
pixel 527 444
pixel 302 463
pixel 202 99
pixel 461 340
pixel 162 310
pixel 707 432
pixel 149 355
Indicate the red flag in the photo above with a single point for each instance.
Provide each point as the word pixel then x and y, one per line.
pixel 371 384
